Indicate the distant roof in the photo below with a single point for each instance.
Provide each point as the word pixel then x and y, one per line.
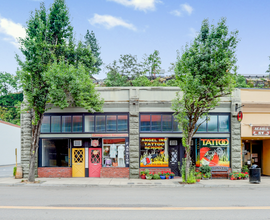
pixel 7 123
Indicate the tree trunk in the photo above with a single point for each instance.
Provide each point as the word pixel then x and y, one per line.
pixel 34 148
pixel 188 157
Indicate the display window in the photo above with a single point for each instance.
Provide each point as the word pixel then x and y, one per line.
pixel 213 152
pixel 113 151
pixel 154 152
pixel 55 153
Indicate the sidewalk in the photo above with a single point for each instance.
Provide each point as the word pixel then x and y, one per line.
pixel 121 182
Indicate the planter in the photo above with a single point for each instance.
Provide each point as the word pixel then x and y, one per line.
pixel 163 177
pixel 143 177
pixel 198 180
pixel 148 177
pixel 171 177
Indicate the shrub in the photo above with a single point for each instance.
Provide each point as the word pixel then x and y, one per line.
pixel 156 177
pixel 14 171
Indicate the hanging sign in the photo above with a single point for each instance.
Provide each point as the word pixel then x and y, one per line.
pixel 240 116
pixel 261 130
pixel 94 143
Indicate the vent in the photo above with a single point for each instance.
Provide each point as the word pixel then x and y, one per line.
pixel 77 143
pixel 173 142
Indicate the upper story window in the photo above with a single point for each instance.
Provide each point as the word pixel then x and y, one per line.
pixel 104 123
pixel 167 123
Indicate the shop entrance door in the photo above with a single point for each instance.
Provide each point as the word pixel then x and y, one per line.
pixel 174 159
pixel 94 162
pixel 78 167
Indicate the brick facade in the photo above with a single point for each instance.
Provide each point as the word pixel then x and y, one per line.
pixel 54 172
pixel 114 172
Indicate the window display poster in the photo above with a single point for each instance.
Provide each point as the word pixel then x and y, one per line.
pixel 214 152
pixel 153 153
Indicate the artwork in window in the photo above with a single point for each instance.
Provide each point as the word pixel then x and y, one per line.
pixel 100 123
pixel 55 153
pixel 45 126
pixel 154 152
pixel 156 123
pixel 66 123
pixel 56 124
pixel 111 123
pixel 145 122
pixel 223 123
pixel 166 122
pixel 122 123
pixel 113 152
pixel 77 123
pixel 89 123
pixel 214 152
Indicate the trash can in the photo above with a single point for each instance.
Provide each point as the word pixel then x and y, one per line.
pixel 254 174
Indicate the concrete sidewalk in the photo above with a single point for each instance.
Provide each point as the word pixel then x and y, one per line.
pixel 121 182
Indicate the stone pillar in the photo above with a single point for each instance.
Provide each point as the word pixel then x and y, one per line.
pixel 235 132
pixel 26 137
pixel 134 137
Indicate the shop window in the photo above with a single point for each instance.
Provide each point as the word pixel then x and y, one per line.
pixel 100 123
pixel 166 123
pixel 45 126
pixel 77 124
pixel 56 124
pixel 66 123
pixel 223 123
pixel 111 123
pixel 156 123
pixel 175 125
pixel 202 127
pixel 122 123
pixel 54 153
pixel 154 152
pixel 89 123
pixel 145 122
pixel 212 123
pixel 113 152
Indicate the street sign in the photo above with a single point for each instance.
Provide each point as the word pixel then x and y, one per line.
pixel 239 116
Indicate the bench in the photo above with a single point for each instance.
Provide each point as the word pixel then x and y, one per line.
pixel 220 170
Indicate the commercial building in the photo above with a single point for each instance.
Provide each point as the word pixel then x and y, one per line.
pixel 136 131
pixel 255 128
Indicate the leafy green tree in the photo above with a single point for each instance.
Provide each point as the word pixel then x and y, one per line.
pixel 54 69
pixel 90 40
pixel 152 64
pixel 8 83
pixel 241 81
pixel 205 73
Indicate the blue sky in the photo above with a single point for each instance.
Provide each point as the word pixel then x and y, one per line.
pixel 139 27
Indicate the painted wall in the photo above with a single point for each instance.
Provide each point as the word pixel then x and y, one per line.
pixel 266 157
pixel 10 137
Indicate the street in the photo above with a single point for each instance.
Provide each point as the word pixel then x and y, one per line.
pixel 30 202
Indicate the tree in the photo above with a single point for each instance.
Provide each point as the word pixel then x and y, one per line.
pixel 8 83
pixel 205 73
pixel 90 40
pixel 152 64
pixel 53 69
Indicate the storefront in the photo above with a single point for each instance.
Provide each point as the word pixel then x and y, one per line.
pixel 255 128
pixel 73 146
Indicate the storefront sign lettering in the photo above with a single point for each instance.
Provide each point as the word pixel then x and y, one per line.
pixel 261 130
pixel 215 142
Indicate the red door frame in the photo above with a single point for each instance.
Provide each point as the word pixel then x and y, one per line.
pixel 94 168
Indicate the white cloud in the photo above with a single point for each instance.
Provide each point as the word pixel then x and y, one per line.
pixel 109 21
pixel 193 33
pixel 187 8
pixel 176 13
pixel 142 5
pixel 13 30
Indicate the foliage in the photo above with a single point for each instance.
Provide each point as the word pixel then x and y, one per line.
pixel 14 171
pixel 151 64
pixel 205 73
pixel 205 169
pixel 54 70
pixel 238 175
pixel 156 176
pixel 90 40
pixel 190 176
pixel 8 83
pixel 198 175
pixel 245 169
pixel 241 81
pixel 141 81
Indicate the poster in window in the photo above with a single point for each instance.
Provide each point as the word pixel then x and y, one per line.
pixel 214 152
pixel 153 153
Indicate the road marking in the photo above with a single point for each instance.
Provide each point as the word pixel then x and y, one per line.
pixel 138 208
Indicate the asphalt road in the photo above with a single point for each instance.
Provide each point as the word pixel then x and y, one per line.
pixel 28 202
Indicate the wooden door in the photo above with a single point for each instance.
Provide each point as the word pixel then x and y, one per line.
pixel 174 159
pixel 78 163
pixel 94 162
